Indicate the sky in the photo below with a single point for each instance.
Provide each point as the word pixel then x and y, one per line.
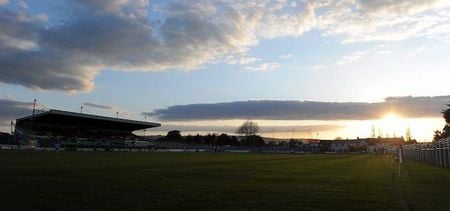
pixel 314 69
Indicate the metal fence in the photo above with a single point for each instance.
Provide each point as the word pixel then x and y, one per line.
pixel 431 153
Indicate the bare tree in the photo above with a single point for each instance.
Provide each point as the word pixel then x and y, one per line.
pixel 248 128
pixel 373 132
pixel 408 134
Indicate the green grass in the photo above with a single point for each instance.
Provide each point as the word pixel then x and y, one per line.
pixel 124 180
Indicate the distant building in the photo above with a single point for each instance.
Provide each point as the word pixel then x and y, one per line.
pixel 380 145
pixel 5 138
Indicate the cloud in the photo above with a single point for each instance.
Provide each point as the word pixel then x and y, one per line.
pixel 382 20
pixel 22 4
pixel 286 56
pixel 123 113
pixel 412 107
pixel 241 59
pixel 232 129
pixel 351 58
pixel 100 106
pixel 138 35
pixel 418 50
pixel 388 6
pixel 265 67
pixel 10 110
pixel 377 50
pixel 117 35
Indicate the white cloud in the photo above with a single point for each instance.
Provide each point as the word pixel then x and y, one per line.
pixel 382 20
pixel 351 58
pixel 293 4
pixel 266 67
pixel 286 56
pixel 418 50
pixel 22 4
pixel 241 59
pixel 377 50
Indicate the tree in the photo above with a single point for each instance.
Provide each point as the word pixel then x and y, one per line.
pixel 189 139
pixel 437 135
pixel 446 130
pixel 373 132
pixel 252 140
pixel 380 133
pixel 174 135
pixel 446 115
pixel 248 128
pixel 210 139
pixel 223 139
pixel 408 134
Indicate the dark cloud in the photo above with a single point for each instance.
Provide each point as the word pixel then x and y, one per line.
pixel 96 105
pixel 232 129
pixel 112 34
pixel 132 35
pixel 306 110
pixel 10 110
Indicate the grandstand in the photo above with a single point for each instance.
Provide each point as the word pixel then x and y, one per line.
pixel 56 126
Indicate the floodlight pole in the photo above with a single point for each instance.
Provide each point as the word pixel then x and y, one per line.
pixel 32 116
pixel 34 107
pixel 145 120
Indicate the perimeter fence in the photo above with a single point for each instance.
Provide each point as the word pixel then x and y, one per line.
pixel 437 153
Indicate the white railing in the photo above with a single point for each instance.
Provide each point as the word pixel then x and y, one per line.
pixel 437 153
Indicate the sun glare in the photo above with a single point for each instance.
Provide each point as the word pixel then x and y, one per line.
pixel 391 117
pixel 392 124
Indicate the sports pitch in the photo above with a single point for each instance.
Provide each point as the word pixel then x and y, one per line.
pixel 142 180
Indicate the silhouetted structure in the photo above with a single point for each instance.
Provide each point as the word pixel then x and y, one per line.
pixel 64 125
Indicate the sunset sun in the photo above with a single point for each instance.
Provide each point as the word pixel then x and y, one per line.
pixel 392 125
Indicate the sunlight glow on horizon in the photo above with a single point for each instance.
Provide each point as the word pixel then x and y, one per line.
pixel 389 125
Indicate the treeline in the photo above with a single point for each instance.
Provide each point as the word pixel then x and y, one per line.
pixel 214 139
pixel 445 133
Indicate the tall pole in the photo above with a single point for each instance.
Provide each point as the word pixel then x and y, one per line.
pixel 34 108
pixel 32 118
pixel 145 120
pixel 12 123
pixel 81 109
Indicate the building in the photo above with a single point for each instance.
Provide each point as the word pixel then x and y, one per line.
pixel 5 138
pixel 54 126
pixel 349 145
pixel 380 145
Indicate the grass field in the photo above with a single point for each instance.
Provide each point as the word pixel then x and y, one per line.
pixel 124 180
